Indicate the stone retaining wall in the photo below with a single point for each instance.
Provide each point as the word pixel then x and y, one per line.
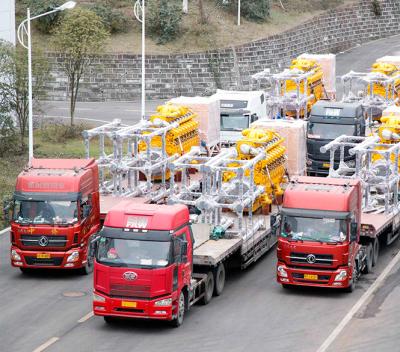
pixel 117 77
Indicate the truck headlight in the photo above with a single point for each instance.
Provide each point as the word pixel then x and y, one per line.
pixel 281 271
pixel 15 256
pixel 341 276
pixel 163 302
pixel 98 298
pixel 73 257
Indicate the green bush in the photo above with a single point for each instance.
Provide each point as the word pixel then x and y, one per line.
pixel 61 133
pixel 253 10
pixel 163 19
pixel 47 23
pixel 115 21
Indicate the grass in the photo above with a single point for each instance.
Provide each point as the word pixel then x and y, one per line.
pixel 220 31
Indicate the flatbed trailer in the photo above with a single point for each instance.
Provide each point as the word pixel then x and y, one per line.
pixel 209 252
pixel 375 225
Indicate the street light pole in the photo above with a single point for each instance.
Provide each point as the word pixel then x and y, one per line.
pixel 239 9
pixel 141 6
pixel 25 29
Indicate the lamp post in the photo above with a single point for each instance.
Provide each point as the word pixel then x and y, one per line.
pixel 140 14
pixel 24 29
pixel 225 2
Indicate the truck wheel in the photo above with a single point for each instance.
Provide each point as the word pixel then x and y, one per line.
pixel 208 289
pixel 352 284
pixel 88 268
pixel 181 311
pixel 109 320
pixel 219 278
pixel 375 252
pixel 368 264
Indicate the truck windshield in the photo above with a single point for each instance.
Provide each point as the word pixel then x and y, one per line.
pixel 133 253
pixel 328 130
pixel 314 229
pixel 234 122
pixel 45 212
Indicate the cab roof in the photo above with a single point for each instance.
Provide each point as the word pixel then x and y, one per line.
pixel 320 193
pixel 59 175
pixel 130 214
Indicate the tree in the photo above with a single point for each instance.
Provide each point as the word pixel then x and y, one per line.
pixel 163 19
pixel 80 37
pixel 14 85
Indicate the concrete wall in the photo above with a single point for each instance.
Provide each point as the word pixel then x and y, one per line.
pixel 7 20
pixel 117 77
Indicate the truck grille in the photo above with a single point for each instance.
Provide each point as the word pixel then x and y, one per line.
pixel 33 240
pixel 320 259
pixel 44 262
pixel 140 291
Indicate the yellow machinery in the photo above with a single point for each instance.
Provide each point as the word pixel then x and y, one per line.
pixel 313 85
pixel 390 91
pixel 268 172
pixel 180 139
pixel 389 133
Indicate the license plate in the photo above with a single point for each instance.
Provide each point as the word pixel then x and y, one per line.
pixel 43 256
pixel 128 304
pixel 310 277
pixel 326 165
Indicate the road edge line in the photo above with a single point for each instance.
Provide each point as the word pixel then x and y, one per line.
pixel 86 317
pixel 48 343
pixel 2 232
pixel 377 283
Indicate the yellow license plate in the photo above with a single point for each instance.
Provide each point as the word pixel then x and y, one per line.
pixel 310 277
pixel 43 256
pixel 128 304
pixel 326 165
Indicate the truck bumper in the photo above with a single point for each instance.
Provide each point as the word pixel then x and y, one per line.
pixel 131 308
pixel 313 277
pixel 72 259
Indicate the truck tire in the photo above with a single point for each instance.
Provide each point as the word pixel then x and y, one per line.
pixel 219 279
pixel 178 321
pixel 89 266
pixel 368 260
pixel 109 320
pixel 208 289
pixel 352 285
pixel 375 255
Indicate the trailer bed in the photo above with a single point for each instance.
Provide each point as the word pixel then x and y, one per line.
pixel 381 222
pixel 211 252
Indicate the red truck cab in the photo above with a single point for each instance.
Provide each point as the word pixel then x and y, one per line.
pixel 55 211
pixel 143 262
pixel 319 233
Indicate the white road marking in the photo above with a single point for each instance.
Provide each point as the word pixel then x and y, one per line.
pixel 85 318
pixel 363 299
pixel 48 343
pixel 67 117
pixel 76 109
pixel 2 232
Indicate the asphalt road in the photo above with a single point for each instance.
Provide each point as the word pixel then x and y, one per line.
pixel 253 314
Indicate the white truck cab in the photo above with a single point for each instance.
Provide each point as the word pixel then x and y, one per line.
pixel 238 110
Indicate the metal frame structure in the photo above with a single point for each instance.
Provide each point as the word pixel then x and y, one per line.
pixel 211 195
pixel 120 171
pixel 377 166
pixel 280 100
pixel 369 100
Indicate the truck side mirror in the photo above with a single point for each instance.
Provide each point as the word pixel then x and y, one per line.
pixel 184 249
pixel 353 231
pixel 86 211
pixel 7 207
pixel 273 219
pixel 93 246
